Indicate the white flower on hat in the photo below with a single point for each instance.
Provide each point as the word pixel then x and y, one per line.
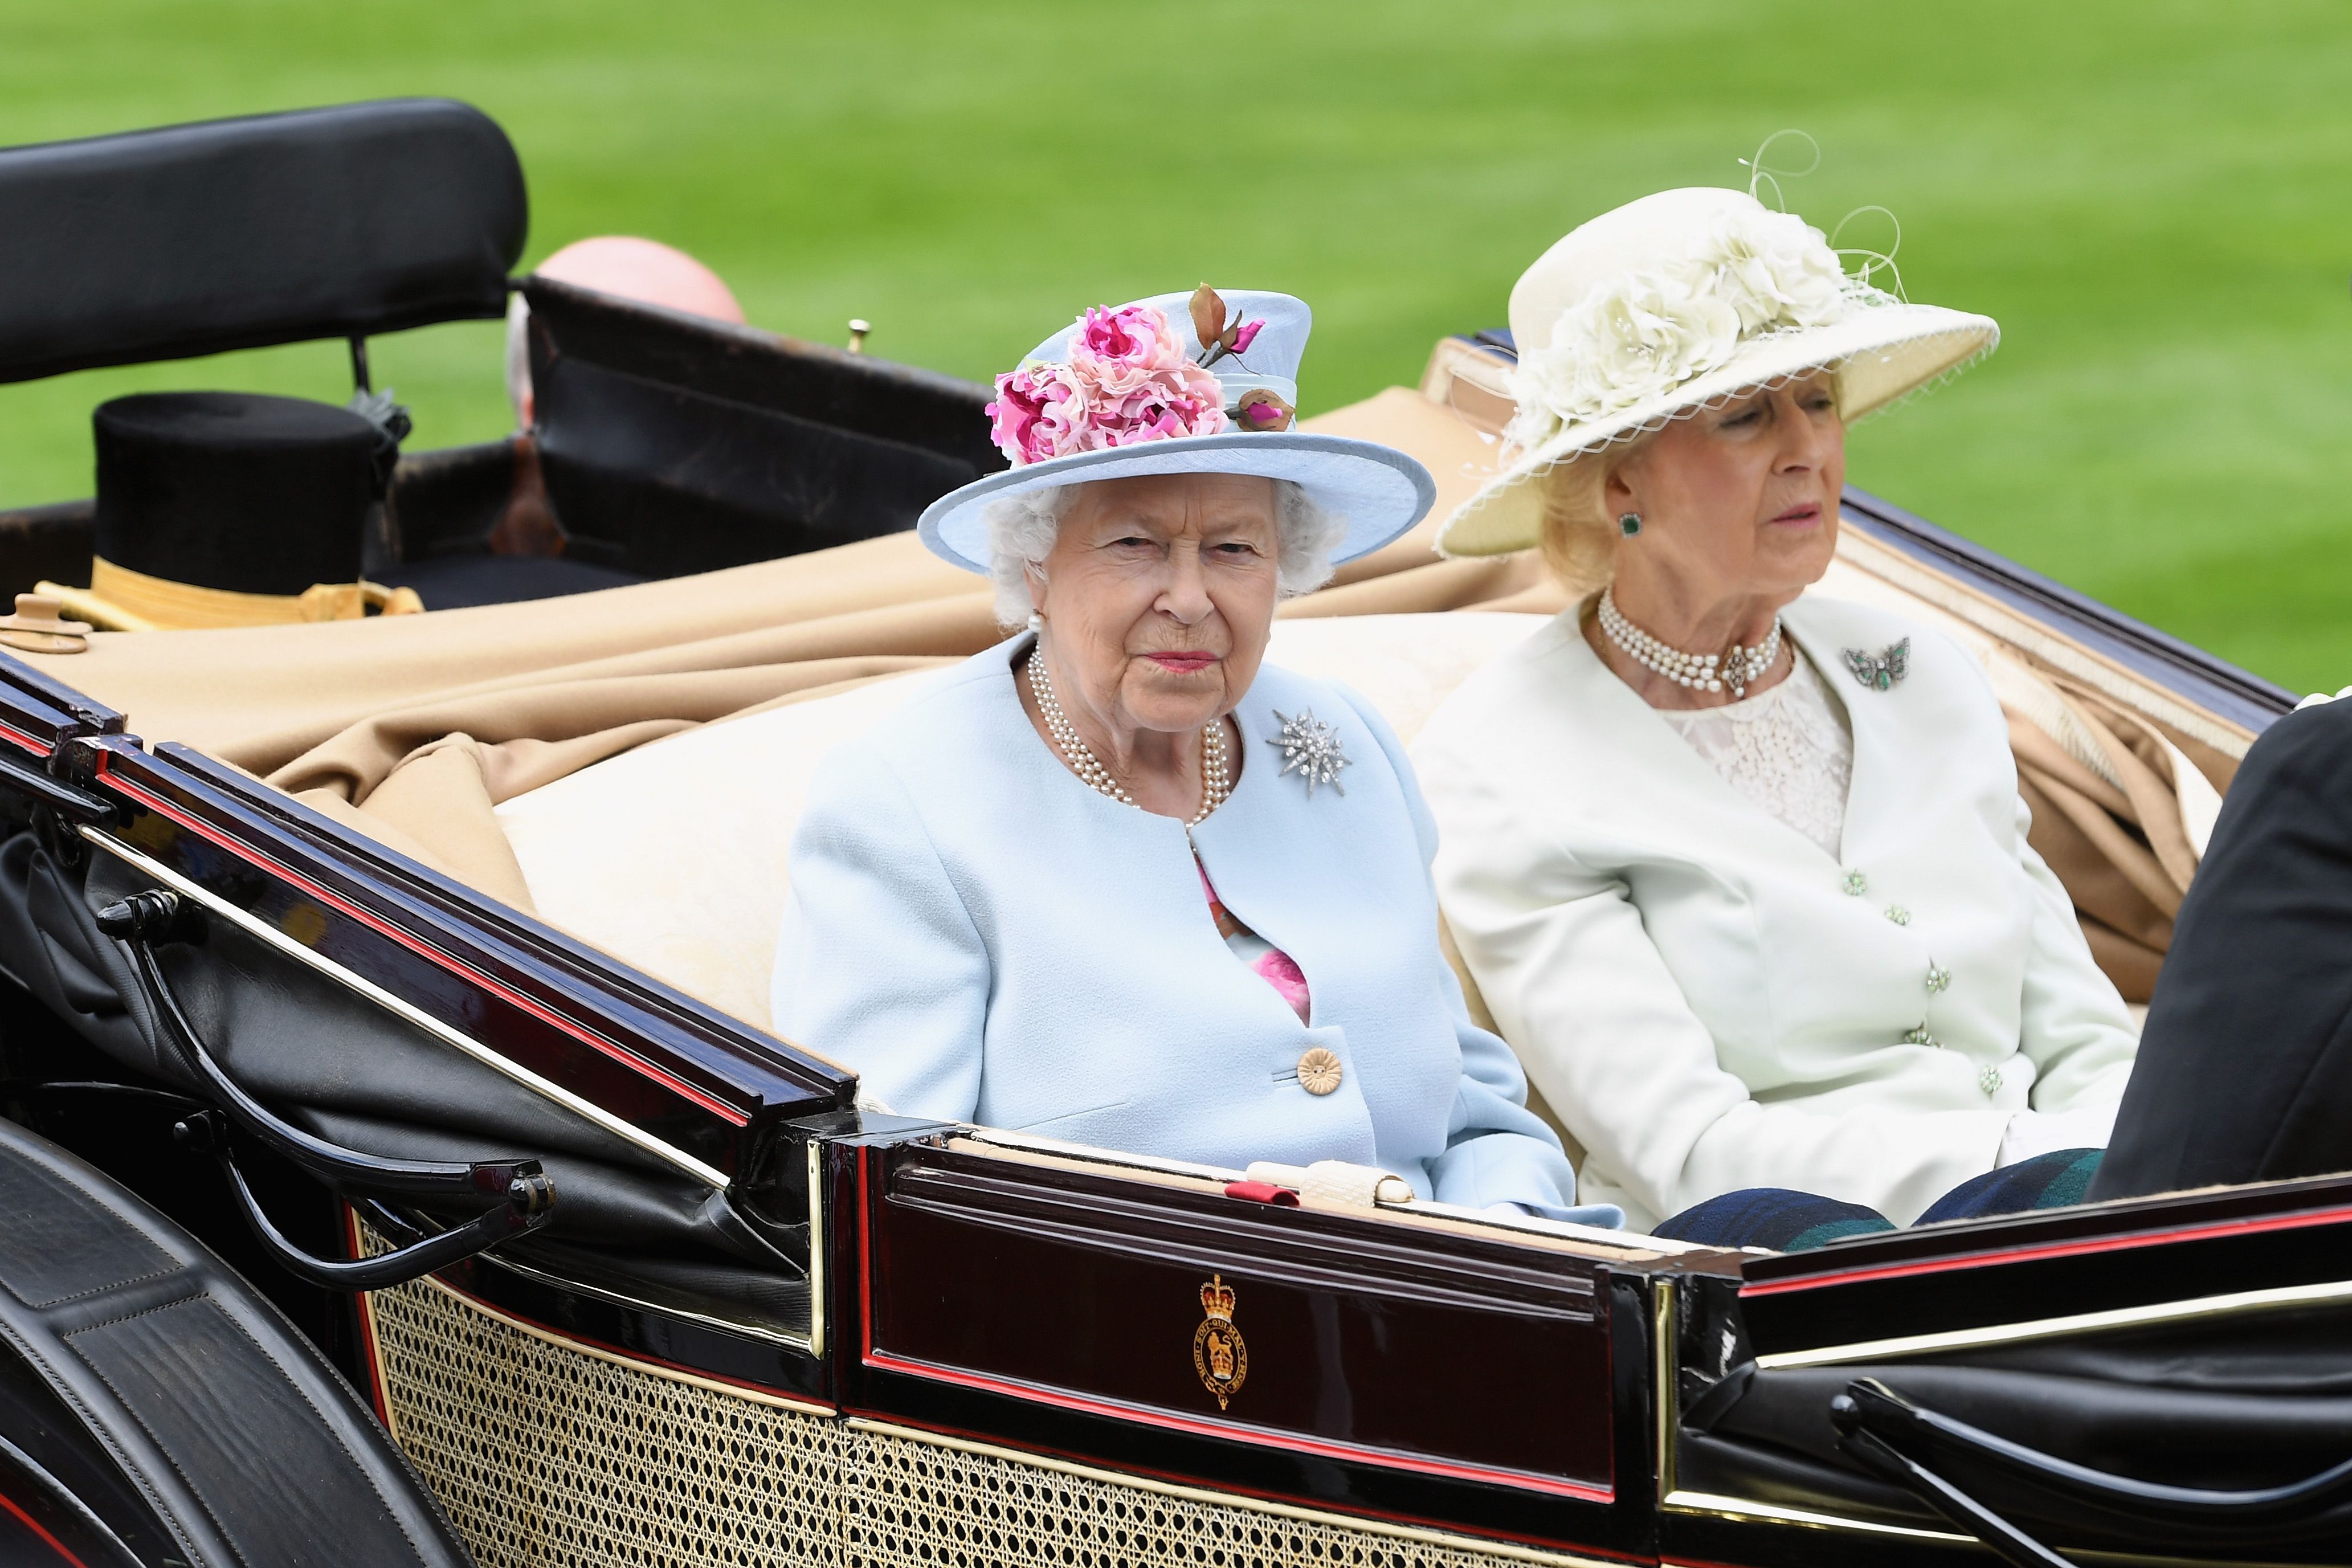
pixel 1623 342
pixel 1777 271
pixel 1637 336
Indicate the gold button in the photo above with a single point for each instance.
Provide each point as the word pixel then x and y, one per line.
pixel 1319 1071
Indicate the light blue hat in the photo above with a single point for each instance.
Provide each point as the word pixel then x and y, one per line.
pixel 1223 401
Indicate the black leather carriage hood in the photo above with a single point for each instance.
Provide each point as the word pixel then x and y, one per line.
pixel 232 233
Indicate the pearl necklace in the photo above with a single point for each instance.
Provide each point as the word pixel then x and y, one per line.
pixel 1216 778
pixel 1739 668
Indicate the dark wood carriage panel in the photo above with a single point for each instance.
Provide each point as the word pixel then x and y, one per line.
pixel 2063 1263
pixel 38 715
pixel 1613 1523
pixel 1364 1340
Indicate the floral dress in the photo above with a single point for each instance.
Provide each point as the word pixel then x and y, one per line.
pixel 1264 959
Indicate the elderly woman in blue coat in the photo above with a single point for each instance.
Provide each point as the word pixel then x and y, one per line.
pixel 1116 881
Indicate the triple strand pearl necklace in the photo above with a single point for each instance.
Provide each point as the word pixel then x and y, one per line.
pixel 1739 668
pixel 1216 777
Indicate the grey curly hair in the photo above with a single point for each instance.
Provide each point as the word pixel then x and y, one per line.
pixel 1022 527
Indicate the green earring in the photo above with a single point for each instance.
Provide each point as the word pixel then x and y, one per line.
pixel 1629 524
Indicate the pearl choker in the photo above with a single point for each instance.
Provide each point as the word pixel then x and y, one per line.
pixel 1216 777
pixel 1739 668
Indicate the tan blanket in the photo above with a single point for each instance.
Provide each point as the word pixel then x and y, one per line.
pixel 412 729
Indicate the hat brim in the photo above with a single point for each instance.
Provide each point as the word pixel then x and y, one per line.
pixel 1881 353
pixel 1379 490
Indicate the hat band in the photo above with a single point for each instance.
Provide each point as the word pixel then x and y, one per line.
pixel 1237 387
pixel 119 599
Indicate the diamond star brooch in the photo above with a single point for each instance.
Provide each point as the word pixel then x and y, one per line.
pixel 1311 748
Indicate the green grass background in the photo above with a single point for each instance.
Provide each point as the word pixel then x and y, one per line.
pixel 2151 195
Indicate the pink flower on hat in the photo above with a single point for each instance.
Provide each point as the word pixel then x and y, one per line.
pixel 1128 381
pixel 1118 351
pixel 1171 402
pixel 1039 413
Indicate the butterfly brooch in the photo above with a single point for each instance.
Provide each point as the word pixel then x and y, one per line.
pixel 1881 670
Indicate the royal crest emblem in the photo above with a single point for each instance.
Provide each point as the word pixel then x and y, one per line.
pixel 1310 747
pixel 1881 670
pixel 1218 1354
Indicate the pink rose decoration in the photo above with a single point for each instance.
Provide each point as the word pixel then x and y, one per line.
pixel 1117 350
pixel 1128 381
pixel 1039 413
pixel 1247 335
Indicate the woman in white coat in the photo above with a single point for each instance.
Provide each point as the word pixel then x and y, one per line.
pixel 1744 875
pixel 1115 882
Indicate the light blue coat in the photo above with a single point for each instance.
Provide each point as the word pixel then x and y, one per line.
pixel 985 939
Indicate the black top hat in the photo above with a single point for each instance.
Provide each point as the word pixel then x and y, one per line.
pixel 237 491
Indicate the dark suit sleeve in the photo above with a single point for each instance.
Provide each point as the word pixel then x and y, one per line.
pixel 2245 1065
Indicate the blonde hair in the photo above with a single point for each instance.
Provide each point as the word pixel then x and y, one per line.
pixel 1580 534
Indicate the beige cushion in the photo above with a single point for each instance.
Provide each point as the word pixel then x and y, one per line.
pixel 673 857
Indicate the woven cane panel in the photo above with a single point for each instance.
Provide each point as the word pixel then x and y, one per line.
pixel 548 1457
pixel 918 1503
pixel 545 1455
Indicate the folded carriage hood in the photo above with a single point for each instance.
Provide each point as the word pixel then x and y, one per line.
pixel 234 234
pixel 260 696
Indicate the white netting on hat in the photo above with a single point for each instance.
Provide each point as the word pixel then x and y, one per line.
pixel 1514 456
pixel 1757 278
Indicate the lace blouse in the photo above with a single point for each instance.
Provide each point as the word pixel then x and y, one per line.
pixel 1789 749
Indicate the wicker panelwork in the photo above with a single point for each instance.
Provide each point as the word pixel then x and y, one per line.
pixel 550 1453
pixel 545 1453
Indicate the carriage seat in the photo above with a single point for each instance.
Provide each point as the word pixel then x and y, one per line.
pixel 622 854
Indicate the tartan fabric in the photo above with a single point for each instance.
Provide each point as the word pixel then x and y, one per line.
pixel 2053 1181
pixel 1785 1221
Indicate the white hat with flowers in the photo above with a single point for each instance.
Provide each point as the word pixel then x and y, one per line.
pixel 1124 391
pixel 1679 300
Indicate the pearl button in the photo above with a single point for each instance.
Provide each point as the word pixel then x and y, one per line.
pixel 1938 979
pixel 1898 914
pixel 1989 1081
pixel 1856 884
pixel 1319 1071
pixel 1919 1035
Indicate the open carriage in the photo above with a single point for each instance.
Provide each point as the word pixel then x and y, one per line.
pixel 388 996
